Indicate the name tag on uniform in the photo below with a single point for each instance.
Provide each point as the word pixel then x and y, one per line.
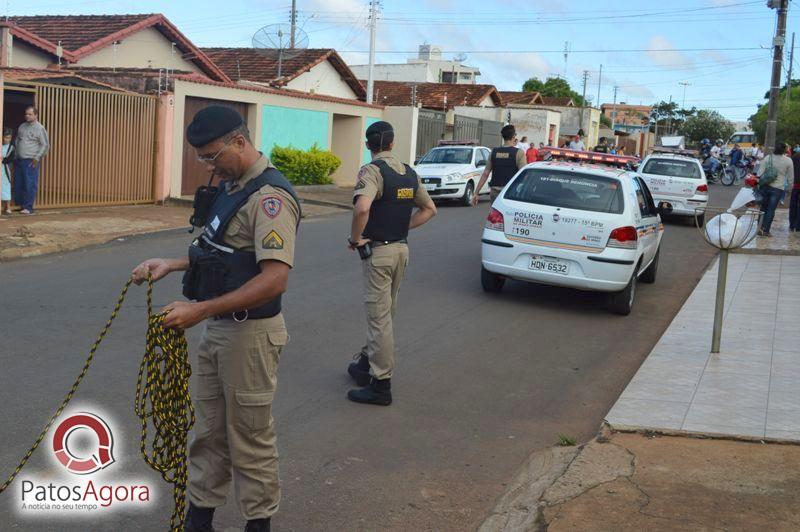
pixel 405 193
pixel 215 223
pixel 501 155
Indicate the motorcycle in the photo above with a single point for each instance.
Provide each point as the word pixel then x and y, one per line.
pixel 716 175
pixel 734 174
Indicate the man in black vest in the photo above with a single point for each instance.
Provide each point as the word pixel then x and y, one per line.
pixel 504 162
pixel 385 195
pixel 236 270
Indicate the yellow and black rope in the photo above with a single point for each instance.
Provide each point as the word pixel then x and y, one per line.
pixel 162 398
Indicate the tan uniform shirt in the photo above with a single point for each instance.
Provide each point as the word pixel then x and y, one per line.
pixel 370 180
pixel 521 161
pixel 267 223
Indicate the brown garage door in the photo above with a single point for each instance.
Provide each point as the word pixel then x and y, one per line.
pixel 195 173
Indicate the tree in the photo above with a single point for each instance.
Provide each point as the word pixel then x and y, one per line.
pixel 788 127
pixel 553 88
pixel 668 117
pixel 605 121
pixel 707 124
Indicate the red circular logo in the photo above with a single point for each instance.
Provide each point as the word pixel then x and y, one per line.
pixel 102 456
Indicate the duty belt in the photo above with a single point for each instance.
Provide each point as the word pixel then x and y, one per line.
pixel 379 243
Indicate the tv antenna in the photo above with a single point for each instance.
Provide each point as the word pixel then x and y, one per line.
pixel 275 41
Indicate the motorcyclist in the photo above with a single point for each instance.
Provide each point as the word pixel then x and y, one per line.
pixel 736 155
pixel 710 155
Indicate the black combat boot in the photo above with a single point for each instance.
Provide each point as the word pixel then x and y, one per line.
pixel 198 519
pixel 359 369
pixel 377 392
pixel 257 525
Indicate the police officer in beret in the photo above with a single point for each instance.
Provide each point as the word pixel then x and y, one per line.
pixel 236 271
pixel 384 198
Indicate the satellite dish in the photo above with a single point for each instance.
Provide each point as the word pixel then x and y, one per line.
pixel 281 42
pixel 460 58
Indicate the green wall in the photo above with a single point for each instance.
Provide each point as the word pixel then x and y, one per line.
pixel 367 122
pixel 300 128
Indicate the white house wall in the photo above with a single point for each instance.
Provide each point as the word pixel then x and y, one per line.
pixel 323 79
pixel 419 73
pixel 144 49
pixel 25 56
pixel 404 121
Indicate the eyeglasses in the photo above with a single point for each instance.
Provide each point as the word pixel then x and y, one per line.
pixel 210 160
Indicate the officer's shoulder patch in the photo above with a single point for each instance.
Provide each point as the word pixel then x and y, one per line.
pixel 360 184
pixel 272 205
pixel 272 241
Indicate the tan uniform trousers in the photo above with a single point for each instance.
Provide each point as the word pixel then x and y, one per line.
pixel 494 192
pixel 234 435
pixel 383 272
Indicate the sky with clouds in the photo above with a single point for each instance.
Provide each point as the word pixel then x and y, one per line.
pixel 721 48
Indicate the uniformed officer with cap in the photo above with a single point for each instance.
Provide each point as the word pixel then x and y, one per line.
pixel 236 271
pixel 503 164
pixel 384 198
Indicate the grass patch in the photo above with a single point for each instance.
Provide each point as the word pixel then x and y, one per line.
pixel 566 441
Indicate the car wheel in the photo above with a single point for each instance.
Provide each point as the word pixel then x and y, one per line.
pixel 700 219
pixel 622 302
pixel 649 275
pixel 469 192
pixel 491 282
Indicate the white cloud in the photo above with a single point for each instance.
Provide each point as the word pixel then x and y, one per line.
pixel 669 59
pixel 636 90
pixel 509 72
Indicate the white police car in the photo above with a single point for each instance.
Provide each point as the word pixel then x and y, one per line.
pixel 453 171
pixel 678 181
pixel 580 226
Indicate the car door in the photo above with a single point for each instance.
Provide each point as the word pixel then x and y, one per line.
pixel 481 159
pixel 650 228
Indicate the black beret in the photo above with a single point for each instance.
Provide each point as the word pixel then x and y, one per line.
pixel 379 127
pixel 212 123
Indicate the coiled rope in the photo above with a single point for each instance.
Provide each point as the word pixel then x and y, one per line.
pixel 162 398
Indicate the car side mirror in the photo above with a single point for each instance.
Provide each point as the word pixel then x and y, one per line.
pixel 480 163
pixel 664 208
pixel 416 161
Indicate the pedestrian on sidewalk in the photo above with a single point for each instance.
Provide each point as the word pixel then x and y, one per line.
pixel 384 198
pixel 794 202
pixel 503 163
pixel 532 154
pixel 773 173
pixel 236 271
pixel 5 175
pixel 31 145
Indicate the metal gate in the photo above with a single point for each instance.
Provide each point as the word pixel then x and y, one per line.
pixel 484 132
pixel 102 146
pixel 430 130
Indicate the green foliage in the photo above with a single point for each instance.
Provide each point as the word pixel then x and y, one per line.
pixel 707 124
pixel 788 127
pixel 605 121
pixel 566 441
pixel 553 88
pixel 312 167
pixel 669 117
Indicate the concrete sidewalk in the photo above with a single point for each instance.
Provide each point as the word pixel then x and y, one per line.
pixel 56 230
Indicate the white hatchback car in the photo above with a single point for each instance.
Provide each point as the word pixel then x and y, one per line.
pixel 588 227
pixel 453 171
pixel 677 181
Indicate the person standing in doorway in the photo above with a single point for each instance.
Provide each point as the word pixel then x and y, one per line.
pixel 5 175
pixel 31 145
pixel 503 163
pixel 384 198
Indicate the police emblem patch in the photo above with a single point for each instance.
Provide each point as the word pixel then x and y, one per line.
pixel 272 206
pixel 405 193
pixel 360 184
pixel 272 241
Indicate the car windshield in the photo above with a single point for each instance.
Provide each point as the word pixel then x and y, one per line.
pixel 672 168
pixel 571 190
pixel 447 156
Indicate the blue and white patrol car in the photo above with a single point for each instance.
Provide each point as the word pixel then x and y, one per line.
pixel 575 225
pixel 678 181
pixel 453 171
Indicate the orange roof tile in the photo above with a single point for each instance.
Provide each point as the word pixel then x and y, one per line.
pixel 434 95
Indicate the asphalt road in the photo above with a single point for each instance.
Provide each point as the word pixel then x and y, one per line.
pixel 482 380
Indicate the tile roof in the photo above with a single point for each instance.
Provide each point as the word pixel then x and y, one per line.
pixel 254 87
pixel 565 101
pixel 262 65
pixel 81 35
pixel 523 97
pixel 434 95
pixel 54 76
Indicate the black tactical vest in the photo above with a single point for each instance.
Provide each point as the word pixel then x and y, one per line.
pixel 504 165
pixel 390 215
pixel 216 268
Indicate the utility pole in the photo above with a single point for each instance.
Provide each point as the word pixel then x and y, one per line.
pixel 777 64
pixel 294 23
pixel 669 120
pixel 373 22
pixel 567 47
pixel 614 109
pixel 789 77
pixel 583 97
pixel 685 84
pixel 599 81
